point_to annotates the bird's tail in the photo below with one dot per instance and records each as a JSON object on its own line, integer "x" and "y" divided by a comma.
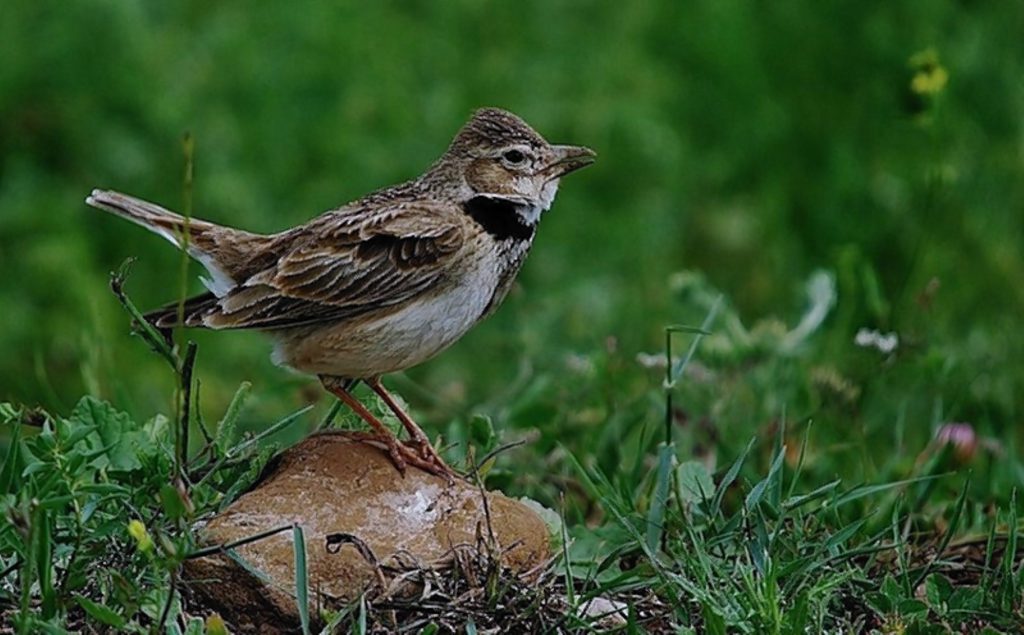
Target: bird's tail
{"x": 157, "y": 219}
{"x": 191, "y": 311}
{"x": 225, "y": 252}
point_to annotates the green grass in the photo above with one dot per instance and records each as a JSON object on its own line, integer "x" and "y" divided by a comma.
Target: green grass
{"x": 790, "y": 165}
{"x": 99, "y": 510}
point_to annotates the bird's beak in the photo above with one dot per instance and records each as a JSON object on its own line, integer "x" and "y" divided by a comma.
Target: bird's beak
{"x": 569, "y": 159}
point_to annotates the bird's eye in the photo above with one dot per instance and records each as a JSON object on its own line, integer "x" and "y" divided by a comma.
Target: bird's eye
{"x": 514, "y": 156}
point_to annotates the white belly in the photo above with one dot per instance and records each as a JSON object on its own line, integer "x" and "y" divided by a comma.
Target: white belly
{"x": 393, "y": 341}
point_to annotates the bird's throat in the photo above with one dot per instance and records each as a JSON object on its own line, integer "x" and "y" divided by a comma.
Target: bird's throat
{"x": 500, "y": 217}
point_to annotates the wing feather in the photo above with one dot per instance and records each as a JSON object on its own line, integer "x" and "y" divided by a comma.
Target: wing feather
{"x": 342, "y": 265}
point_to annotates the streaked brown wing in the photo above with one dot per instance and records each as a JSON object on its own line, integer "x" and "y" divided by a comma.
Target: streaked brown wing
{"x": 342, "y": 265}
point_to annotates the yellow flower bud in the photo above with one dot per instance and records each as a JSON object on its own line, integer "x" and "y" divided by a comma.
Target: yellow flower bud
{"x": 930, "y": 81}
{"x": 215, "y": 625}
{"x": 138, "y": 531}
{"x": 930, "y": 76}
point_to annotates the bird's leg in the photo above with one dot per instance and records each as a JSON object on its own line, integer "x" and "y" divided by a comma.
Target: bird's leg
{"x": 417, "y": 438}
{"x": 339, "y": 388}
{"x": 401, "y": 455}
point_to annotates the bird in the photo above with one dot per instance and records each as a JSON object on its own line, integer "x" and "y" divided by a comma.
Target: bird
{"x": 383, "y": 283}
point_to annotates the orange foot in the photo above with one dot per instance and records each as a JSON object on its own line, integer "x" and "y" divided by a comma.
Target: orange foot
{"x": 404, "y": 454}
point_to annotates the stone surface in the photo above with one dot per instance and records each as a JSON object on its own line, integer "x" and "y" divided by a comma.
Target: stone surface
{"x": 332, "y": 484}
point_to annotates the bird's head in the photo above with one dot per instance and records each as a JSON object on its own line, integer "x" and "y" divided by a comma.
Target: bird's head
{"x": 497, "y": 154}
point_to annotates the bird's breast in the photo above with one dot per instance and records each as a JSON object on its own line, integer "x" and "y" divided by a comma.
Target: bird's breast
{"x": 396, "y": 338}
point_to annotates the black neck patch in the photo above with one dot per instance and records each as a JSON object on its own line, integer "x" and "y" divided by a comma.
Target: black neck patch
{"x": 498, "y": 217}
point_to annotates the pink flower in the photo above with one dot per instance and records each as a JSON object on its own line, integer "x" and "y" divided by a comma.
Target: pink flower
{"x": 962, "y": 437}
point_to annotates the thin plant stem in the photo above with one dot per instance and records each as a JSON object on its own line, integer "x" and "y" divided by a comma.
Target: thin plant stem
{"x": 188, "y": 363}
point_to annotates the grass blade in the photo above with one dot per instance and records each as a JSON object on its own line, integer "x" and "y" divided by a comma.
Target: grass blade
{"x": 800, "y": 500}
{"x": 656, "y": 515}
{"x": 222, "y": 437}
{"x": 1010, "y": 551}
{"x": 277, "y": 427}
{"x": 42, "y": 529}
{"x": 11, "y": 466}
{"x": 730, "y": 476}
{"x": 954, "y": 523}
{"x": 99, "y": 612}
{"x": 332, "y": 414}
{"x": 301, "y": 577}
{"x": 677, "y": 369}
{"x": 361, "y": 624}
{"x": 570, "y": 585}
{"x": 754, "y": 497}
{"x": 863, "y": 491}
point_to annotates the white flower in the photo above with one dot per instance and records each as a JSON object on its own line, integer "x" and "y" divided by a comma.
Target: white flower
{"x": 884, "y": 342}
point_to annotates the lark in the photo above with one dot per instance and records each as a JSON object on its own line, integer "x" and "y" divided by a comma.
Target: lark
{"x": 383, "y": 283}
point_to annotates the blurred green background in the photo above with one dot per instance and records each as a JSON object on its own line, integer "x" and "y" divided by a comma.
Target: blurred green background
{"x": 752, "y": 142}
